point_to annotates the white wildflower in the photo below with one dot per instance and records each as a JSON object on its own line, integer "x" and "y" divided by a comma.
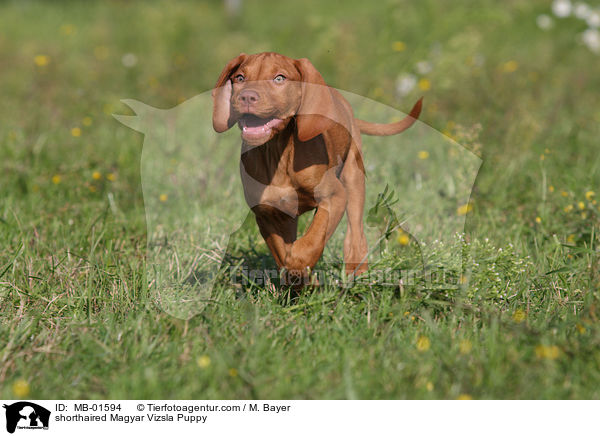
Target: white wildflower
{"x": 423, "y": 67}
{"x": 591, "y": 38}
{"x": 593, "y": 19}
{"x": 544, "y": 21}
{"x": 562, "y": 8}
{"x": 581, "y": 10}
{"x": 129, "y": 60}
{"x": 405, "y": 84}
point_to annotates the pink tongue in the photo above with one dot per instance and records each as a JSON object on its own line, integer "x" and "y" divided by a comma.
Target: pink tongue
{"x": 260, "y": 130}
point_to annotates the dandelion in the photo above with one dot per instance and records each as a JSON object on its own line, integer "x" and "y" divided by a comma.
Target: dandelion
{"x": 571, "y": 239}
{"x": 544, "y": 21}
{"x": 564, "y": 193}
{"x": 163, "y": 197}
{"x": 464, "y": 397}
{"x": 233, "y": 372}
{"x": 424, "y": 84}
{"x": 76, "y": 132}
{"x": 464, "y": 209}
{"x": 423, "y": 343}
{"x": 510, "y": 66}
{"x": 550, "y": 188}
{"x": 129, "y": 60}
{"x": 550, "y": 352}
{"x": 403, "y": 238}
{"x": 561, "y": 8}
{"x": 429, "y": 386}
{"x": 203, "y": 361}
{"x": 405, "y": 84}
{"x": 581, "y": 205}
{"x": 56, "y": 179}
{"x": 568, "y": 208}
{"x": 519, "y": 316}
{"x": 21, "y": 388}
{"x": 538, "y": 220}
{"x": 96, "y": 175}
{"x": 111, "y": 177}
{"x": 589, "y": 195}
{"x": 465, "y": 346}
{"x": 87, "y": 121}
{"x": 423, "y": 155}
{"x": 41, "y": 60}
{"x": 399, "y": 46}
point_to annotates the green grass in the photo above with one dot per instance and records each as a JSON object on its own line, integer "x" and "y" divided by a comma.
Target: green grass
{"x": 78, "y": 319}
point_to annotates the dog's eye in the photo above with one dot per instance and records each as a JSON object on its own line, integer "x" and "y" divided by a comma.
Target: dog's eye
{"x": 279, "y": 78}
{"x": 239, "y": 78}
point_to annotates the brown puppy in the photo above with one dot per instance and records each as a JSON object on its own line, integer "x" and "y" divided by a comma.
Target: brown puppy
{"x": 301, "y": 150}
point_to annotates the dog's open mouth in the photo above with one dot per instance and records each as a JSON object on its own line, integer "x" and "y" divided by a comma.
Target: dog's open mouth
{"x": 255, "y": 129}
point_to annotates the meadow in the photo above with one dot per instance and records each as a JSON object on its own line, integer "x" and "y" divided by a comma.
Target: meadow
{"x": 514, "y": 83}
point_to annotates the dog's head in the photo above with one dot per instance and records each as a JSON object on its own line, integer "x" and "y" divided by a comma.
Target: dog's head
{"x": 262, "y": 93}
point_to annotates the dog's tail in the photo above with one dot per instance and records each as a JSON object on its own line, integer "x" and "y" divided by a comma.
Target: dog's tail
{"x": 394, "y": 128}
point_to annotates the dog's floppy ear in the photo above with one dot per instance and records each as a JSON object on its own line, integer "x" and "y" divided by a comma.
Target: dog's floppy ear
{"x": 222, "y": 95}
{"x": 317, "y": 112}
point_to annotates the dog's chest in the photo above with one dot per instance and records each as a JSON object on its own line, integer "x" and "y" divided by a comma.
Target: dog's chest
{"x": 283, "y": 191}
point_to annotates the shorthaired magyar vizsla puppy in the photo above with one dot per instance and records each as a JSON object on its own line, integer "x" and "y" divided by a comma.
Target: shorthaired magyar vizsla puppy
{"x": 301, "y": 150}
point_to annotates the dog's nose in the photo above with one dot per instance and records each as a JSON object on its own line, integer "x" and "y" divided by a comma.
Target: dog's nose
{"x": 248, "y": 97}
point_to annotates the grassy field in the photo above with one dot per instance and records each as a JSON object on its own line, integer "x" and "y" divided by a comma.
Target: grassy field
{"x": 78, "y": 318}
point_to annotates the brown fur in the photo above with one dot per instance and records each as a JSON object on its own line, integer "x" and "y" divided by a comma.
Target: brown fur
{"x": 311, "y": 159}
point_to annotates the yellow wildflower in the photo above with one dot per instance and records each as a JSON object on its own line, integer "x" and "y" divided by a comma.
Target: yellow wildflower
{"x": 581, "y": 205}
{"x": 564, "y": 193}
{"x": 424, "y": 84}
{"x": 465, "y": 346}
{"x": 423, "y": 154}
{"x": 96, "y": 175}
{"x": 87, "y": 121}
{"x": 464, "y": 209}
{"x": 551, "y": 188}
{"x": 233, "y": 372}
{"x": 538, "y": 220}
{"x": 203, "y": 361}
{"x": 399, "y": 46}
{"x": 41, "y": 60}
{"x": 550, "y": 352}
{"x": 568, "y": 208}
{"x": 403, "y": 238}
{"x": 519, "y": 316}
{"x": 464, "y": 397}
{"x": 163, "y": 197}
{"x": 510, "y": 66}
{"x": 429, "y": 386}
{"x": 56, "y": 179}
{"x": 589, "y": 195}
{"x": 571, "y": 239}
{"x": 76, "y": 132}
{"x": 21, "y": 388}
{"x": 423, "y": 343}
{"x": 111, "y": 177}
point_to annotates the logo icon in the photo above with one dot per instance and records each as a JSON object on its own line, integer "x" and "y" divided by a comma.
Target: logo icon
{"x": 26, "y": 415}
